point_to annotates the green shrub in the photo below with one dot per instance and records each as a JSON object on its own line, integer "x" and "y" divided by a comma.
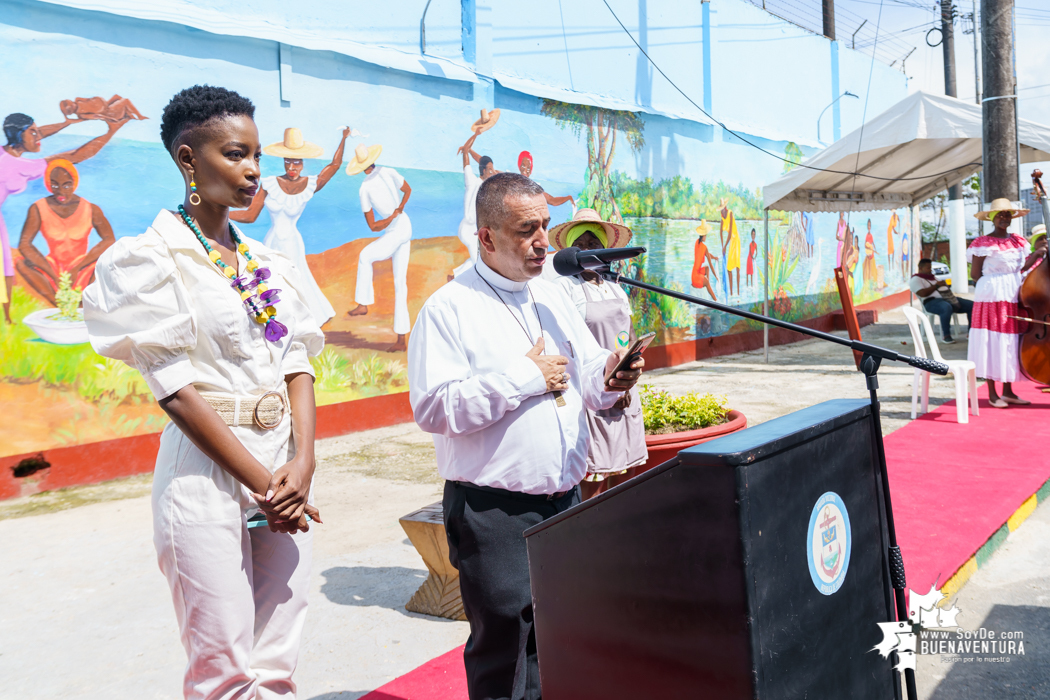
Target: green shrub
{"x": 665, "y": 413}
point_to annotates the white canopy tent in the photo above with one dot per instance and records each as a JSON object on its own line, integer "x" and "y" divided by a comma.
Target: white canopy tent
{"x": 920, "y": 146}
{"x": 915, "y": 149}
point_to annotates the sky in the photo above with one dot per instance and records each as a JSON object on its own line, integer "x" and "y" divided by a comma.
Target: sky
{"x": 904, "y": 25}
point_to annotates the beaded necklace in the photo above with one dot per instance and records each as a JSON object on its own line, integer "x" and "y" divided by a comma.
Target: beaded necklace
{"x": 258, "y": 299}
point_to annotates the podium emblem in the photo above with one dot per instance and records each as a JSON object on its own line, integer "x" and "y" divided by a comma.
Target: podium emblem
{"x": 829, "y": 543}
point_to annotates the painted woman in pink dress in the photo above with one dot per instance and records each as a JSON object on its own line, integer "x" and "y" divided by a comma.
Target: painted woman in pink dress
{"x": 24, "y": 136}
{"x": 997, "y": 263}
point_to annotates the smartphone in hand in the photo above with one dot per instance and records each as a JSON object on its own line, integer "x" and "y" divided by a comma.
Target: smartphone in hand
{"x": 633, "y": 353}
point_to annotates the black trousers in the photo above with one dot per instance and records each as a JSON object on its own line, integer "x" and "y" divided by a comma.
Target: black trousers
{"x": 486, "y": 544}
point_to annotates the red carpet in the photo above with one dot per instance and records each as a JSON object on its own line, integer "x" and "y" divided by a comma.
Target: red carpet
{"x": 442, "y": 678}
{"x": 953, "y": 486}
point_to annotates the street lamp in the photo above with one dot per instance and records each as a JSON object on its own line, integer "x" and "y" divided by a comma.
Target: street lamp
{"x": 845, "y": 94}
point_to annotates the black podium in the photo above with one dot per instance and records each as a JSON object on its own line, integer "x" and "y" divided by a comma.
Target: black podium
{"x": 752, "y": 566}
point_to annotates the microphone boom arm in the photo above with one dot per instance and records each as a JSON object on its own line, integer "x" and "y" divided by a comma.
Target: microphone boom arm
{"x": 882, "y": 353}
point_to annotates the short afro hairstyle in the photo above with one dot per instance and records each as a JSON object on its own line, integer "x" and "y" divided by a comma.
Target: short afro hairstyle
{"x": 196, "y": 106}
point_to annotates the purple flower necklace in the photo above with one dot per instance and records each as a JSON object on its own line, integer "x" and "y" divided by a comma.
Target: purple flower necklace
{"x": 258, "y": 299}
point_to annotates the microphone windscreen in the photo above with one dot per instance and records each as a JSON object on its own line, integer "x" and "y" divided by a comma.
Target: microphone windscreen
{"x": 565, "y": 262}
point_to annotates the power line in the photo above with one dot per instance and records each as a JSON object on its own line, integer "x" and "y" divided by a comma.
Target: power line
{"x": 854, "y": 173}
{"x": 864, "y": 115}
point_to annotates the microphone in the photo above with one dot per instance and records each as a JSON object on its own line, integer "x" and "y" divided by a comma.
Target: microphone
{"x": 573, "y": 261}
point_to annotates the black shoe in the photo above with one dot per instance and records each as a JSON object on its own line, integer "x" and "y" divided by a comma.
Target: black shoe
{"x": 949, "y": 340}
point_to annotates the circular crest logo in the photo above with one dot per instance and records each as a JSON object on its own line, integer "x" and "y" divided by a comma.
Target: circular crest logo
{"x": 623, "y": 338}
{"x": 829, "y": 543}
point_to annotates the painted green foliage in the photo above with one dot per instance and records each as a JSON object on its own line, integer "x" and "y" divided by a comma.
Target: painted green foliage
{"x": 600, "y": 127}
{"x": 793, "y": 156}
{"x": 679, "y": 198}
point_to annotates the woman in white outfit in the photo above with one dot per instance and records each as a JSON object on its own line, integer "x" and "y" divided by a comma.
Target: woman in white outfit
{"x": 997, "y": 263}
{"x": 285, "y": 198}
{"x": 468, "y": 225}
{"x": 217, "y": 327}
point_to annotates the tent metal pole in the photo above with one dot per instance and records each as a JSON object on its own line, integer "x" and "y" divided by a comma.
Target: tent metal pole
{"x": 765, "y": 285}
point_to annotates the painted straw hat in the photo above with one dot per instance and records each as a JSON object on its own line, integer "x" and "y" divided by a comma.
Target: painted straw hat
{"x": 363, "y": 157}
{"x": 487, "y": 121}
{"x": 563, "y": 235}
{"x": 1037, "y": 230}
{"x": 293, "y": 146}
{"x": 998, "y": 205}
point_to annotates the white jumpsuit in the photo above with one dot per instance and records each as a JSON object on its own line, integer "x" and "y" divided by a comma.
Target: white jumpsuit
{"x": 162, "y": 307}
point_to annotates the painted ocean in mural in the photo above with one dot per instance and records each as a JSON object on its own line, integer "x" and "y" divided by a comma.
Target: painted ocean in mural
{"x": 703, "y": 236}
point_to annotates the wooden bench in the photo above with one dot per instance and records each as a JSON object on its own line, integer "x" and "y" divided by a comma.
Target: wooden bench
{"x": 439, "y": 594}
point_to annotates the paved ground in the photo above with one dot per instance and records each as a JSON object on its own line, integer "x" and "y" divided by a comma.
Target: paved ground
{"x": 1009, "y": 594}
{"x": 87, "y": 614}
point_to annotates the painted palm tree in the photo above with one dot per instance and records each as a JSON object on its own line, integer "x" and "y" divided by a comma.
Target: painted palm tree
{"x": 601, "y": 127}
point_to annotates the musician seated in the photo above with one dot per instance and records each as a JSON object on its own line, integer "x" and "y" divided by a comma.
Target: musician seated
{"x": 937, "y": 298}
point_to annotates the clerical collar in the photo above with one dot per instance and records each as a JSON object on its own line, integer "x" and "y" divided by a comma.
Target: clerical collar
{"x": 496, "y": 279}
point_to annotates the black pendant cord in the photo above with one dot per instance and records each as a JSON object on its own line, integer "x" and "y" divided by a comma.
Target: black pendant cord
{"x": 559, "y": 400}
{"x": 535, "y": 309}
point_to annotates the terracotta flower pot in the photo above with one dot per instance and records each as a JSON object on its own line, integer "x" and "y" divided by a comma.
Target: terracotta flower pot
{"x": 664, "y": 447}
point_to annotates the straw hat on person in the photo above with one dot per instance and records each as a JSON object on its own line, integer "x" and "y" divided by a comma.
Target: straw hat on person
{"x": 363, "y": 157}
{"x": 1038, "y": 230}
{"x": 487, "y": 121}
{"x": 611, "y": 235}
{"x": 293, "y": 146}
{"x": 998, "y": 205}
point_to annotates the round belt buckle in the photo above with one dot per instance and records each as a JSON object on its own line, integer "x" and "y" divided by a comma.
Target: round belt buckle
{"x": 280, "y": 416}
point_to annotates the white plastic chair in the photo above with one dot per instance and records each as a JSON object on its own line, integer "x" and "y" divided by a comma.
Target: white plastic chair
{"x": 935, "y": 319}
{"x": 964, "y": 371}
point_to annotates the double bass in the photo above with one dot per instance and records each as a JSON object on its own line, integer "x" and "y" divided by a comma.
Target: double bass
{"x": 1034, "y": 298}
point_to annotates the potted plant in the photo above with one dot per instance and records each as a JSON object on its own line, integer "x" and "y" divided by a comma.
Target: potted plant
{"x": 673, "y": 423}
{"x": 64, "y": 325}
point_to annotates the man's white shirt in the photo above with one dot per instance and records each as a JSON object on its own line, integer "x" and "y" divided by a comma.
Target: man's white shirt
{"x": 917, "y": 283}
{"x": 471, "y": 385}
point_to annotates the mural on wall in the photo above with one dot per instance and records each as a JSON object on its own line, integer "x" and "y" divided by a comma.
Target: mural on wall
{"x": 374, "y": 238}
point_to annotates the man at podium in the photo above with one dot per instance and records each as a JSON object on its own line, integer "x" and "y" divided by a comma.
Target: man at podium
{"x": 500, "y": 367}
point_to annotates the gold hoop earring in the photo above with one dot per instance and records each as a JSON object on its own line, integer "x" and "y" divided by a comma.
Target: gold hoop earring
{"x": 195, "y": 198}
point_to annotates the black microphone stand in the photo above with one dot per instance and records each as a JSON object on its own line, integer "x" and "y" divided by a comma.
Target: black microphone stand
{"x": 873, "y": 355}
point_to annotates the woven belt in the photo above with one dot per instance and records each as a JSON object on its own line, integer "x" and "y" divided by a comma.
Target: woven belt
{"x": 265, "y": 411}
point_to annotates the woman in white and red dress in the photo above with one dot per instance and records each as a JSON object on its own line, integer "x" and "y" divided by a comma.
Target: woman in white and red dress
{"x": 997, "y": 262}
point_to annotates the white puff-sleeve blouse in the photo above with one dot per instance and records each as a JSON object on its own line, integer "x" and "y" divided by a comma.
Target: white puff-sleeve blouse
{"x": 160, "y": 305}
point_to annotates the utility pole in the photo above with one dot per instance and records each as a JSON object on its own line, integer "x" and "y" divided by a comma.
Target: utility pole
{"x": 999, "y": 103}
{"x": 829, "y": 19}
{"x": 977, "y": 97}
{"x": 956, "y": 209}
{"x": 976, "y": 56}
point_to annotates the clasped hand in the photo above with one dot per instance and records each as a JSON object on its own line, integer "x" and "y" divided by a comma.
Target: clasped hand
{"x": 284, "y": 503}
{"x": 553, "y": 368}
